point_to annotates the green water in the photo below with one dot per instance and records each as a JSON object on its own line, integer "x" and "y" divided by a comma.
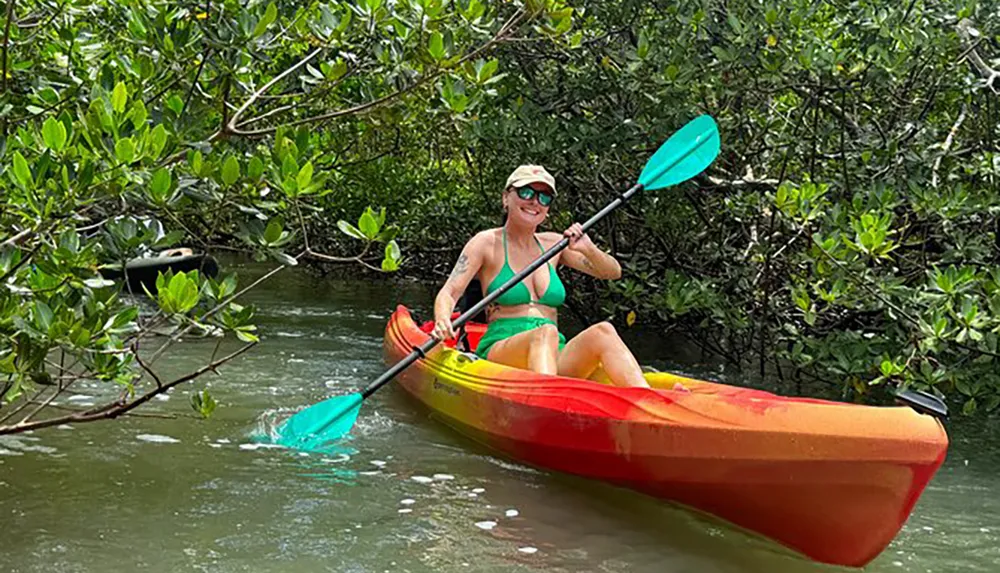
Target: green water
{"x": 152, "y": 494}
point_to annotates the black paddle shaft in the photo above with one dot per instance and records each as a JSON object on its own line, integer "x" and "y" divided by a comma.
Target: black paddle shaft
{"x": 423, "y": 349}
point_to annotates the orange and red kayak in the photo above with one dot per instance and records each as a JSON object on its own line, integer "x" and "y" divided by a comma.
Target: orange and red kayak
{"x": 833, "y": 481}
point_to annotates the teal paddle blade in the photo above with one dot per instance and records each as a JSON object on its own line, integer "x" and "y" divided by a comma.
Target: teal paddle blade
{"x": 315, "y": 427}
{"x": 687, "y": 153}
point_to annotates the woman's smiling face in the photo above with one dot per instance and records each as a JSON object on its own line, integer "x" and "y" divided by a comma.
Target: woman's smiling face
{"x": 528, "y": 211}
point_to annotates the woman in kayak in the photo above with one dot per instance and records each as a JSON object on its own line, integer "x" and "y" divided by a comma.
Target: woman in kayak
{"x": 522, "y": 328}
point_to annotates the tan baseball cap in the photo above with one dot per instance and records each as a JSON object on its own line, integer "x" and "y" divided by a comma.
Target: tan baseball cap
{"x": 531, "y": 174}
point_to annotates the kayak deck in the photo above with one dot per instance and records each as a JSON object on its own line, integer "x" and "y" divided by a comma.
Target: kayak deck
{"x": 833, "y": 481}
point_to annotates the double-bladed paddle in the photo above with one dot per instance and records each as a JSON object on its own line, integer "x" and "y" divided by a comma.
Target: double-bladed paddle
{"x": 687, "y": 153}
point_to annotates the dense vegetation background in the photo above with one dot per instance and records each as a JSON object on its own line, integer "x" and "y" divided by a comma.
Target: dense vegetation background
{"x": 847, "y": 234}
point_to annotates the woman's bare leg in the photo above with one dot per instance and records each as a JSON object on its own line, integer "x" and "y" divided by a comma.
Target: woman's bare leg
{"x": 534, "y": 350}
{"x": 601, "y": 346}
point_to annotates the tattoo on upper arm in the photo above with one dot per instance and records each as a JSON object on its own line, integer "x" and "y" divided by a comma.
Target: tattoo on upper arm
{"x": 460, "y": 267}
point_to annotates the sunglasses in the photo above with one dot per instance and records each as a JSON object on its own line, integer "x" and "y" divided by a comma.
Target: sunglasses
{"x": 528, "y": 193}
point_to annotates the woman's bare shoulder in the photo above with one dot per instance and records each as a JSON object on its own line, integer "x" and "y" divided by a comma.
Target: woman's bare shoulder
{"x": 484, "y": 242}
{"x": 485, "y": 238}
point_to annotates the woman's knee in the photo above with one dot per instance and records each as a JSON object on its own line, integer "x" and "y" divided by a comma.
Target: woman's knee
{"x": 546, "y": 334}
{"x": 604, "y": 330}
{"x": 604, "y": 334}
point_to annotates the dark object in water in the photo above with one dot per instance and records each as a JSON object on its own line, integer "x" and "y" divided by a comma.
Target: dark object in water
{"x": 143, "y": 271}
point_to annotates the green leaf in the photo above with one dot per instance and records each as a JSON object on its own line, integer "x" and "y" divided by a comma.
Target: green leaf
{"x": 273, "y": 231}
{"x": 350, "y": 230}
{"x": 125, "y": 150}
{"x": 487, "y": 70}
{"x": 119, "y": 97}
{"x": 304, "y": 178}
{"x": 435, "y": 46}
{"x": 393, "y": 256}
{"x": 195, "y": 161}
{"x": 156, "y": 142}
{"x": 22, "y": 173}
{"x": 643, "y": 47}
{"x": 43, "y": 316}
{"x": 125, "y": 317}
{"x": 230, "y": 170}
{"x": 970, "y": 407}
{"x": 270, "y": 14}
{"x": 246, "y": 336}
{"x": 139, "y": 114}
{"x": 159, "y": 186}
{"x": 285, "y": 258}
{"x": 175, "y": 103}
{"x": 368, "y": 225}
{"x": 255, "y": 169}
{"x": 392, "y": 251}
{"x": 289, "y": 168}
{"x": 203, "y": 403}
{"x": 54, "y": 134}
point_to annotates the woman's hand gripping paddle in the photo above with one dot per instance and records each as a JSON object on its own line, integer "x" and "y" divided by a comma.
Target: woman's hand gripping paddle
{"x": 687, "y": 153}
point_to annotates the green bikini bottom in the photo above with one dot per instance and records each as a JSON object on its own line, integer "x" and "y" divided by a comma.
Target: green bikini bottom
{"x": 503, "y": 328}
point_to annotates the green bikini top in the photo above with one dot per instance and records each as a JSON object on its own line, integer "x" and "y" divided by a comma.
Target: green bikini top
{"x": 554, "y": 295}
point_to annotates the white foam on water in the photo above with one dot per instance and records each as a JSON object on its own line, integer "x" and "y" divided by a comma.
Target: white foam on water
{"x": 443, "y": 477}
{"x": 6, "y": 452}
{"x": 473, "y": 495}
{"x": 79, "y": 397}
{"x": 486, "y": 525}
{"x": 215, "y": 445}
{"x": 16, "y": 445}
{"x": 284, "y": 334}
{"x": 406, "y": 510}
{"x": 251, "y": 447}
{"x": 407, "y": 501}
{"x": 370, "y": 473}
{"x": 378, "y": 463}
{"x": 222, "y": 441}
{"x": 511, "y": 513}
{"x": 157, "y": 439}
{"x": 64, "y": 427}
{"x": 163, "y": 397}
{"x": 478, "y": 490}
{"x": 421, "y": 479}
{"x": 528, "y": 550}
{"x": 373, "y": 424}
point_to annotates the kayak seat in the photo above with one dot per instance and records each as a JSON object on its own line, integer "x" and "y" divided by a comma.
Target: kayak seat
{"x": 472, "y": 295}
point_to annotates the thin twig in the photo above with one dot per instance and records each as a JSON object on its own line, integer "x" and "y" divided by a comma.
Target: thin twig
{"x": 115, "y": 409}
{"x": 231, "y": 125}
{"x": 135, "y": 352}
{"x": 129, "y": 414}
{"x": 17, "y": 238}
{"x": 946, "y": 146}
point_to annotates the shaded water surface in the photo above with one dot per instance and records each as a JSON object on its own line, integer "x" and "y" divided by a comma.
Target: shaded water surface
{"x": 153, "y": 494}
